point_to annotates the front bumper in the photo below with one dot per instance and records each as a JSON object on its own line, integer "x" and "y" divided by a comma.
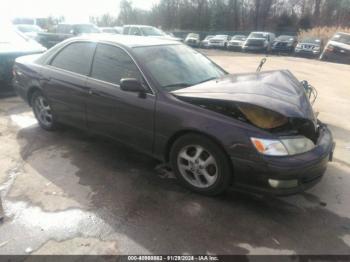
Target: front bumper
{"x": 336, "y": 57}
{"x": 217, "y": 44}
{"x": 282, "y": 49}
{"x": 304, "y": 170}
{"x": 234, "y": 46}
{"x": 192, "y": 43}
{"x": 254, "y": 48}
{"x": 307, "y": 53}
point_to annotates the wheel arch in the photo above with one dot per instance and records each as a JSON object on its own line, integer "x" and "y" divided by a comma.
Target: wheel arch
{"x": 31, "y": 91}
{"x": 181, "y": 133}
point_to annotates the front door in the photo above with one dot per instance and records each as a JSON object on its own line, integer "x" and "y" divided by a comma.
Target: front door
{"x": 125, "y": 116}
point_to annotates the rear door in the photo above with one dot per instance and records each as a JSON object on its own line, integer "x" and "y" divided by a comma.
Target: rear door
{"x": 125, "y": 116}
{"x": 65, "y": 82}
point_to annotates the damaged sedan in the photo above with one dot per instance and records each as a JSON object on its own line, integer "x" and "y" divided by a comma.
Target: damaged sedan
{"x": 255, "y": 132}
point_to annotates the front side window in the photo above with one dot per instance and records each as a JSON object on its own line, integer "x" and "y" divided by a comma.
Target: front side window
{"x": 177, "y": 66}
{"x": 112, "y": 64}
{"x": 75, "y": 58}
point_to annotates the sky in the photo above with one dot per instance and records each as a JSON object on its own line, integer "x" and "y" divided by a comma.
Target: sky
{"x": 72, "y": 10}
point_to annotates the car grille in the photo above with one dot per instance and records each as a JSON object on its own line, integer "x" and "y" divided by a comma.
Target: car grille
{"x": 215, "y": 41}
{"x": 308, "y": 47}
{"x": 281, "y": 44}
{"x": 253, "y": 42}
{"x": 234, "y": 43}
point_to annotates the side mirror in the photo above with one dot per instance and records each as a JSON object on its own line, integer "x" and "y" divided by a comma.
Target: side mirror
{"x": 131, "y": 85}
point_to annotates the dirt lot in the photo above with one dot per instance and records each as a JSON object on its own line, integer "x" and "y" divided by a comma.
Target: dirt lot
{"x": 68, "y": 192}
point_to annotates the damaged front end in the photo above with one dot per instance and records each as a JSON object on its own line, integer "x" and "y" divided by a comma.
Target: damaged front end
{"x": 272, "y": 101}
{"x": 259, "y": 117}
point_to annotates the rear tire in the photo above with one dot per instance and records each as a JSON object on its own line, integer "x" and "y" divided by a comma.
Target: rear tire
{"x": 43, "y": 111}
{"x": 201, "y": 165}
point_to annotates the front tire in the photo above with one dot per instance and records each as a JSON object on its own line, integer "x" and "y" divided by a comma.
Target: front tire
{"x": 201, "y": 165}
{"x": 43, "y": 112}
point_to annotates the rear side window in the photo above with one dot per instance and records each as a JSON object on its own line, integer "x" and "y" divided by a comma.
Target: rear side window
{"x": 112, "y": 64}
{"x": 75, "y": 58}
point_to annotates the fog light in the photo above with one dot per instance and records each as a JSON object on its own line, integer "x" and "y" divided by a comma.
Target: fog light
{"x": 283, "y": 183}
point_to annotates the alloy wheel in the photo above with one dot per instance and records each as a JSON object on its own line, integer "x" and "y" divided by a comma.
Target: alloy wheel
{"x": 197, "y": 166}
{"x": 43, "y": 111}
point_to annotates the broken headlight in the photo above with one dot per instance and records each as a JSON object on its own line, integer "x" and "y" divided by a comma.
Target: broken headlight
{"x": 283, "y": 146}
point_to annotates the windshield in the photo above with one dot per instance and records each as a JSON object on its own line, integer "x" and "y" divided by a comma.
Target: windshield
{"x": 29, "y": 28}
{"x": 342, "y": 38}
{"x": 239, "y": 37}
{"x": 152, "y": 31}
{"x": 209, "y": 37}
{"x": 86, "y": 29}
{"x": 258, "y": 35}
{"x": 193, "y": 35}
{"x": 311, "y": 41}
{"x": 177, "y": 66}
{"x": 285, "y": 38}
{"x": 221, "y": 36}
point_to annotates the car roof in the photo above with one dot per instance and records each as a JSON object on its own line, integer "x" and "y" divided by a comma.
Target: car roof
{"x": 75, "y": 24}
{"x": 260, "y": 32}
{"x": 127, "y": 40}
{"x": 138, "y": 25}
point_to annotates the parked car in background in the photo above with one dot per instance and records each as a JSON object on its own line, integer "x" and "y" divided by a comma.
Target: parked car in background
{"x": 252, "y": 131}
{"x": 64, "y": 31}
{"x": 259, "y": 42}
{"x": 284, "y": 44}
{"x": 219, "y": 41}
{"x": 12, "y": 45}
{"x": 236, "y": 42}
{"x": 109, "y": 30}
{"x": 193, "y": 40}
{"x": 205, "y": 42}
{"x": 30, "y": 31}
{"x": 309, "y": 47}
{"x": 119, "y": 29}
{"x": 146, "y": 30}
{"x": 337, "y": 49}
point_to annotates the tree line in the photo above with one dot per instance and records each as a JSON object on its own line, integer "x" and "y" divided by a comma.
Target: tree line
{"x": 233, "y": 15}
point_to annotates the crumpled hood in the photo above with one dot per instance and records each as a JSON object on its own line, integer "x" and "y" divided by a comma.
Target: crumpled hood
{"x": 279, "y": 91}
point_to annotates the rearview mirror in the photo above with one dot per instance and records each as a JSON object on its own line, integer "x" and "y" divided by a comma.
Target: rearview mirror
{"x": 131, "y": 85}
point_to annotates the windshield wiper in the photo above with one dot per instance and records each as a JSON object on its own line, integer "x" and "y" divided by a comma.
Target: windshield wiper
{"x": 177, "y": 85}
